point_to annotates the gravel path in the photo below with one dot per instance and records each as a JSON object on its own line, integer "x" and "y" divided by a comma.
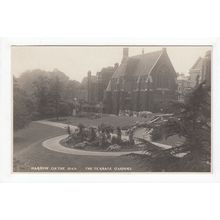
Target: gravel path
{"x": 54, "y": 145}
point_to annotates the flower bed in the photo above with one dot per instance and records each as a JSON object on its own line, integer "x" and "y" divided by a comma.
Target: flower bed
{"x": 88, "y": 146}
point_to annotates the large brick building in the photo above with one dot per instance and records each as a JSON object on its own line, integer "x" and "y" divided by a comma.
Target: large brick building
{"x": 93, "y": 86}
{"x": 103, "y": 78}
{"x": 145, "y": 82}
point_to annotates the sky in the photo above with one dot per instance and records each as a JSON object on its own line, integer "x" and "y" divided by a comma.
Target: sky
{"x": 76, "y": 61}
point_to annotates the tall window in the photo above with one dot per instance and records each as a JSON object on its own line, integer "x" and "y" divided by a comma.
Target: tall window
{"x": 163, "y": 78}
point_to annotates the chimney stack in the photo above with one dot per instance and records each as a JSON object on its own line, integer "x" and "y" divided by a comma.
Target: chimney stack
{"x": 125, "y": 53}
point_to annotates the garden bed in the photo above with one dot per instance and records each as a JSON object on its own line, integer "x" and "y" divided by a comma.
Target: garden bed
{"x": 95, "y": 147}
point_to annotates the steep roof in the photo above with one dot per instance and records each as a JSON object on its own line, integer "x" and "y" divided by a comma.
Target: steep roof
{"x": 197, "y": 64}
{"x": 138, "y": 65}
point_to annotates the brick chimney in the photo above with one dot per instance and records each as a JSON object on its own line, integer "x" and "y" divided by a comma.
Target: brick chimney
{"x": 164, "y": 49}
{"x": 125, "y": 53}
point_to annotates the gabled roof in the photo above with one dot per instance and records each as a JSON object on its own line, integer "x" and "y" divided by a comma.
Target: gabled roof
{"x": 108, "y": 89}
{"x": 198, "y": 64}
{"x": 138, "y": 65}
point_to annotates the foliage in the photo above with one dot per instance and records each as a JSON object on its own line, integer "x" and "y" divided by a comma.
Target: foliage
{"x": 40, "y": 93}
{"x": 106, "y": 127}
{"x": 55, "y": 95}
{"x": 156, "y": 134}
{"x": 51, "y": 92}
{"x": 22, "y": 107}
{"x": 191, "y": 120}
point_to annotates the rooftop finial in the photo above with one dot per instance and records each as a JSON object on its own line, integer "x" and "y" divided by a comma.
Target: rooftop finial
{"x": 125, "y": 55}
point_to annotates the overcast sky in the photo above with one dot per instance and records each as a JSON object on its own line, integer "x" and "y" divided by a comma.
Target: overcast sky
{"x": 75, "y": 61}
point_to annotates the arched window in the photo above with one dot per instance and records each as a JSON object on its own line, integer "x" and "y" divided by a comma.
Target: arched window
{"x": 163, "y": 77}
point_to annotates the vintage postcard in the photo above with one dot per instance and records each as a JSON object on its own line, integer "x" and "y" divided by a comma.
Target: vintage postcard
{"x": 111, "y": 108}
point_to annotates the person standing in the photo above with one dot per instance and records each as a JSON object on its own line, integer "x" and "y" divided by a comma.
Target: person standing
{"x": 118, "y": 135}
{"x": 131, "y": 136}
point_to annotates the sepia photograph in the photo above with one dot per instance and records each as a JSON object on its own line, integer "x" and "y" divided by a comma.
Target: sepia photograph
{"x": 111, "y": 108}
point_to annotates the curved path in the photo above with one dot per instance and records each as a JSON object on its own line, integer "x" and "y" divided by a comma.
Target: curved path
{"x": 54, "y": 144}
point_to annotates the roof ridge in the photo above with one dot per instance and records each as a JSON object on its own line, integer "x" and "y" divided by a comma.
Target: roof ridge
{"x": 149, "y": 53}
{"x": 146, "y": 63}
{"x": 155, "y": 62}
{"x": 196, "y": 63}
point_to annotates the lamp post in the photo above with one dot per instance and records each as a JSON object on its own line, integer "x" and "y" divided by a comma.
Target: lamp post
{"x": 138, "y": 92}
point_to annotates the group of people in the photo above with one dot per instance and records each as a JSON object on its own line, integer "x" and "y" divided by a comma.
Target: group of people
{"x": 106, "y": 136}
{"x": 102, "y": 136}
{"x": 130, "y": 113}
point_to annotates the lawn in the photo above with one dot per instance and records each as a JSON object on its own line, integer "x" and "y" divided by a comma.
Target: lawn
{"x": 34, "y": 132}
{"x": 113, "y": 120}
{"x": 29, "y": 154}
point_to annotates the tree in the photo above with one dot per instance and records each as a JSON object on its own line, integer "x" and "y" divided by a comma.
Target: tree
{"x": 71, "y": 90}
{"x": 22, "y": 107}
{"x": 55, "y": 95}
{"x": 40, "y": 95}
{"x": 51, "y": 91}
{"x": 192, "y": 120}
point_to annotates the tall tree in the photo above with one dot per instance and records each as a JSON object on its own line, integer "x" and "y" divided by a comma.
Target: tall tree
{"x": 192, "y": 120}
{"x": 22, "y": 107}
{"x": 41, "y": 92}
{"x": 55, "y": 95}
{"x": 52, "y": 92}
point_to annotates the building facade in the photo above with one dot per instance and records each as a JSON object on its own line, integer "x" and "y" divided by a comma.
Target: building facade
{"x": 93, "y": 86}
{"x": 103, "y": 78}
{"x": 184, "y": 86}
{"x": 201, "y": 71}
{"x": 145, "y": 82}
{"x": 88, "y": 90}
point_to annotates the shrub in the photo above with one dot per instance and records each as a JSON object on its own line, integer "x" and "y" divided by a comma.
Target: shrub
{"x": 157, "y": 134}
